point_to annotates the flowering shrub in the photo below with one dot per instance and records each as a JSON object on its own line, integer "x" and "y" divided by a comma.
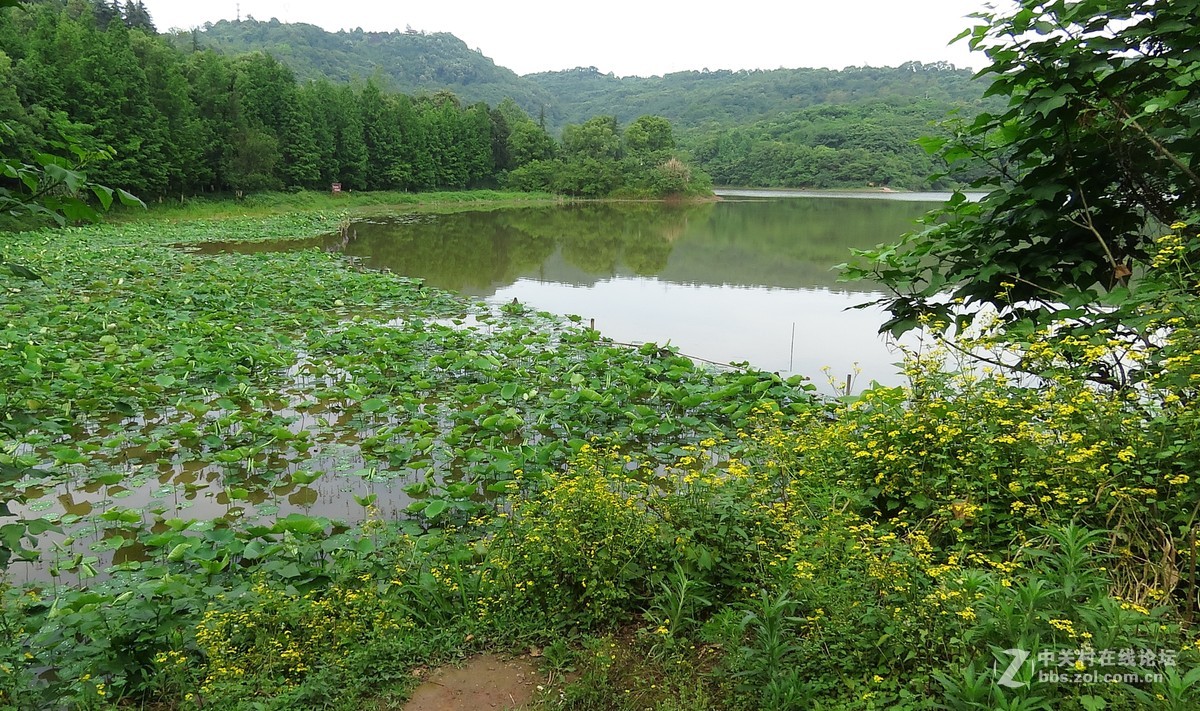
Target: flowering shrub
{"x": 277, "y": 636}
{"x": 584, "y": 548}
{"x": 979, "y": 460}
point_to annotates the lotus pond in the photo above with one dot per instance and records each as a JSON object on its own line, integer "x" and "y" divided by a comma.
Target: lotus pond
{"x": 157, "y": 393}
{"x": 280, "y": 479}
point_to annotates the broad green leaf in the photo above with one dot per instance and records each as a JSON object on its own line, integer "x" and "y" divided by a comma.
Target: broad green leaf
{"x": 60, "y": 175}
{"x": 435, "y": 508}
{"x": 104, "y": 195}
{"x": 129, "y": 199}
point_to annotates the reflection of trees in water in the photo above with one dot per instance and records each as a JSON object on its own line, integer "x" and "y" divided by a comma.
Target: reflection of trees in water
{"x": 473, "y": 251}
{"x": 812, "y": 229}
{"x": 593, "y": 252}
{"x": 600, "y": 238}
{"x": 790, "y": 243}
{"x": 787, "y": 243}
{"x": 648, "y": 257}
{"x": 464, "y": 251}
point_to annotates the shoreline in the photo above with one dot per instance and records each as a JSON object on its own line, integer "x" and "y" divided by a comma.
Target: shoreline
{"x": 362, "y": 203}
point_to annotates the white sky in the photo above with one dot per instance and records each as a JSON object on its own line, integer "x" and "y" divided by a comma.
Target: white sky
{"x": 637, "y": 37}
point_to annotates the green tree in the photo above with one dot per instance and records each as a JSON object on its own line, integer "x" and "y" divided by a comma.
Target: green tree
{"x": 211, "y": 91}
{"x": 101, "y": 79}
{"x": 597, "y": 138}
{"x": 591, "y": 153}
{"x": 384, "y": 140}
{"x": 106, "y": 12}
{"x": 250, "y": 160}
{"x": 20, "y": 135}
{"x": 270, "y": 104}
{"x": 317, "y": 105}
{"x": 137, "y": 17}
{"x": 534, "y": 176}
{"x": 649, "y": 138}
{"x": 500, "y": 132}
{"x": 1096, "y": 146}
{"x": 443, "y": 126}
{"x": 528, "y": 142}
{"x": 336, "y": 123}
{"x": 477, "y": 140}
{"x": 350, "y": 151}
{"x": 174, "y": 116}
{"x": 589, "y": 177}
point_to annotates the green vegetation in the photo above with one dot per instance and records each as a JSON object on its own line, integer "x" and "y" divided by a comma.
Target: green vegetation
{"x": 682, "y": 539}
{"x": 52, "y": 186}
{"x": 817, "y": 128}
{"x": 350, "y": 203}
{"x": 166, "y": 125}
{"x": 461, "y": 414}
{"x": 410, "y": 62}
{"x": 480, "y": 248}
{"x": 598, "y": 159}
{"x": 814, "y": 128}
{"x": 869, "y": 142}
{"x": 697, "y": 98}
{"x": 1080, "y": 203}
{"x": 1025, "y": 506}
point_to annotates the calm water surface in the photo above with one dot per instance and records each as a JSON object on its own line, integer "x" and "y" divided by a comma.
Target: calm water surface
{"x": 748, "y": 279}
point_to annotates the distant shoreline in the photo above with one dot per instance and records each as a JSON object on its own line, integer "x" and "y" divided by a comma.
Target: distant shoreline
{"x": 849, "y": 193}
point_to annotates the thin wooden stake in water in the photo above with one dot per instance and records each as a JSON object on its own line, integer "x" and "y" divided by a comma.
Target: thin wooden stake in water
{"x": 792, "y": 351}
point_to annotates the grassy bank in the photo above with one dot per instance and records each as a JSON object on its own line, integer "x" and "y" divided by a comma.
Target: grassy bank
{"x": 308, "y": 201}
{"x": 666, "y": 536}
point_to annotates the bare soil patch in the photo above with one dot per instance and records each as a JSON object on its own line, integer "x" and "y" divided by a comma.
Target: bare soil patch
{"x": 487, "y": 681}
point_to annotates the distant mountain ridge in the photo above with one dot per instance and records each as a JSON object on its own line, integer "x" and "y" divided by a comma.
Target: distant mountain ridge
{"x": 409, "y": 62}
{"x": 416, "y": 62}
{"x": 823, "y": 128}
{"x": 694, "y": 99}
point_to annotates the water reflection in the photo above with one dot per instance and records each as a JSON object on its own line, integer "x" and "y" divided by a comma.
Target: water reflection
{"x": 743, "y": 280}
{"x": 768, "y": 242}
{"x": 751, "y": 278}
{"x": 779, "y": 242}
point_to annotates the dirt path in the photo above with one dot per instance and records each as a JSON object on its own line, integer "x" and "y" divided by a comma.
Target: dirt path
{"x": 484, "y": 682}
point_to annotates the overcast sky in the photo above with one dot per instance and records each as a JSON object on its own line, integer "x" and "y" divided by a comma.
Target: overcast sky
{"x": 637, "y": 37}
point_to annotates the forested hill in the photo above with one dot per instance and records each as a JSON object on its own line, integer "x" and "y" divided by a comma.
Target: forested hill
{"x": 231, "y": 107}
{"x": 409, "y": 62}
{"x": 784, "y": 127}
{"x": 813, "y": 128}
{"x": 697, "y": 98}
{"x": 416, "y": 62}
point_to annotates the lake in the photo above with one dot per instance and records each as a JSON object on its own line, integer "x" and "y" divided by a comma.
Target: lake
{"x": 751, "y": 278}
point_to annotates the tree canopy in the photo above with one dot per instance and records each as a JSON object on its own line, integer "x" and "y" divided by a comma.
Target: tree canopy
{"x": 160, "y": 121}
{"x": 818, "y": 128}
{"x": 411, "y": 62}
{"x": 1094, "y": 154}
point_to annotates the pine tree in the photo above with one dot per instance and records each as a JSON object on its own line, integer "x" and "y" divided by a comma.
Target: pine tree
{"x": 137, "y": 17}
{"x": 105, "y": 13}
